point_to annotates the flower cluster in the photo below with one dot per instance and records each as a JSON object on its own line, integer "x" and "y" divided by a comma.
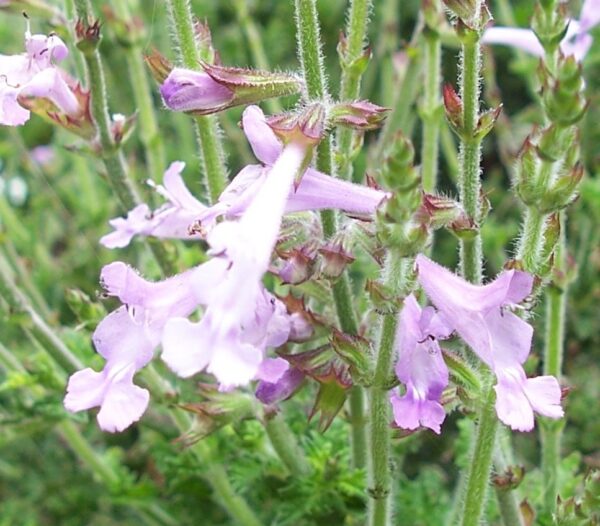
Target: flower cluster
{"x": 482, "y": 317}
{"x": 35, "y": 74}
{"x": 240, "y": 319}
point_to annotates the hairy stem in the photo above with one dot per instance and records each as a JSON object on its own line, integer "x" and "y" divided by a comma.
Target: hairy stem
{"x": 285, "y": 444}
{"x": 257, "y": 49}
{"x": 212, "y": 157}
{"x": 470, "y": 157}
{"x": 551, "y": 431}
{"x": 154, "y": 151}
{"x": 379, "y": 404}
{"x": 431, "y": 111}
{"x": 356, "y": 30}
{"x": 112, "y": 156}
{"x": 311, "y": 58}
{"x": 481, "y": 462}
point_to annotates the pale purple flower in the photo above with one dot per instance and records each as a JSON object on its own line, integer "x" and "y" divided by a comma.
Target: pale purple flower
{"x": 126, "y": 338}
{"x": 33, "y": 74}
{"x": 241, "y": 320}
{"x": 187, "y": 90}
{"x": 171, "y": 220}
{"x": 482, "y": 316}
{"x": 185, "y": 217}
{"x": 420, "y": 367}
{"x": 576, "y": 42}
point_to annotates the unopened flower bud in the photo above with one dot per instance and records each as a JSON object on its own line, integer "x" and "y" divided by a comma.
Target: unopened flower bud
{"x": 334, "y": 260}
{"x": 438, "y": 211}
{"x": 298, "y": 266}
{"x": 270, "y": 393}
{"x": 88, "y": 35}
{"x": 306, "y": 125}
{"x": 218, "y": 88}
{"x": 527, "y": 173}
{"x": 454, "y": 108}
{"x": 550, "y": 30}
{"x": 563, "y": 191}
{"x": 188, "y": 90}
{"x": 398, "y": 173}
{"x": 361, "y": 115}
{"x": 356, "y": 65}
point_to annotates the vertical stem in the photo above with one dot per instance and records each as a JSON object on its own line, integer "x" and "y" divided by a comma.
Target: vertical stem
{"x": 470, "y": 156}
{"x": 530, "y": 244}
{"x": 379, "y": 405}
{"x": 285, "y": 444}
{"x": 309, "y": 51}
{"x": 149, "y": 134}
{"x": 481, "y": 463}
{"x": 114, "y": 162}
{"x": 211, "y": 151}
{"x": 431, "y": 111}
{"x": 86, "y": 453}
{"x": 358, "y": 18}
{"x": 257, "y": 50}
{"x": 551, "y": 432}
{"x": 478, "y": 471}
{"x": 399, "y": 118}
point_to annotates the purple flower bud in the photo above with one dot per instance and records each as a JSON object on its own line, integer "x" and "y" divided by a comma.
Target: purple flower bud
{"x": 272, "y": 392}
{"x": 187, "y": 90}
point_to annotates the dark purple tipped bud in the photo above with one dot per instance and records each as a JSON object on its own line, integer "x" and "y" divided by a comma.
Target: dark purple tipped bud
{"x": 271, "y": 393}
{"x": 454, "y": 107}
{"x": 361, "y": 115}
{"x": 298, "y": 266}
{"x": 334, "y": 260}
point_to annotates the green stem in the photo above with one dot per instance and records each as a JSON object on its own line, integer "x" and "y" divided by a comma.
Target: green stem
{"x": 149, "y": 134}
{"x": 551, "y": 431}
{"x": 18, "y": 302}
{"x": 532, "y": 239}
{"x": 114, "y": 162}
{"x": 285, "y": 444}
{"x": 24, "y": 278}
{"x": 212, "y": 156}
{"x": 508, "y": 501}
{"x": 379, "y": 404}
{"x": 478, "y": 475}
{"x": 358, "y": 18}
{"x": 478, "y": 471}
{"x": 309, "y": 50}
{"x": 257, "y": 50}
{"x": 470, "y": 157}
{"x": 87, "y": 454}
{"x": 431, "y": 111}
{"x": 379, "y": 429}
{"x": 399, "y": 119}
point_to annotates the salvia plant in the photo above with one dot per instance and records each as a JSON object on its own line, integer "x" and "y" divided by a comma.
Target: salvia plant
{"x": 247, "y": 280}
